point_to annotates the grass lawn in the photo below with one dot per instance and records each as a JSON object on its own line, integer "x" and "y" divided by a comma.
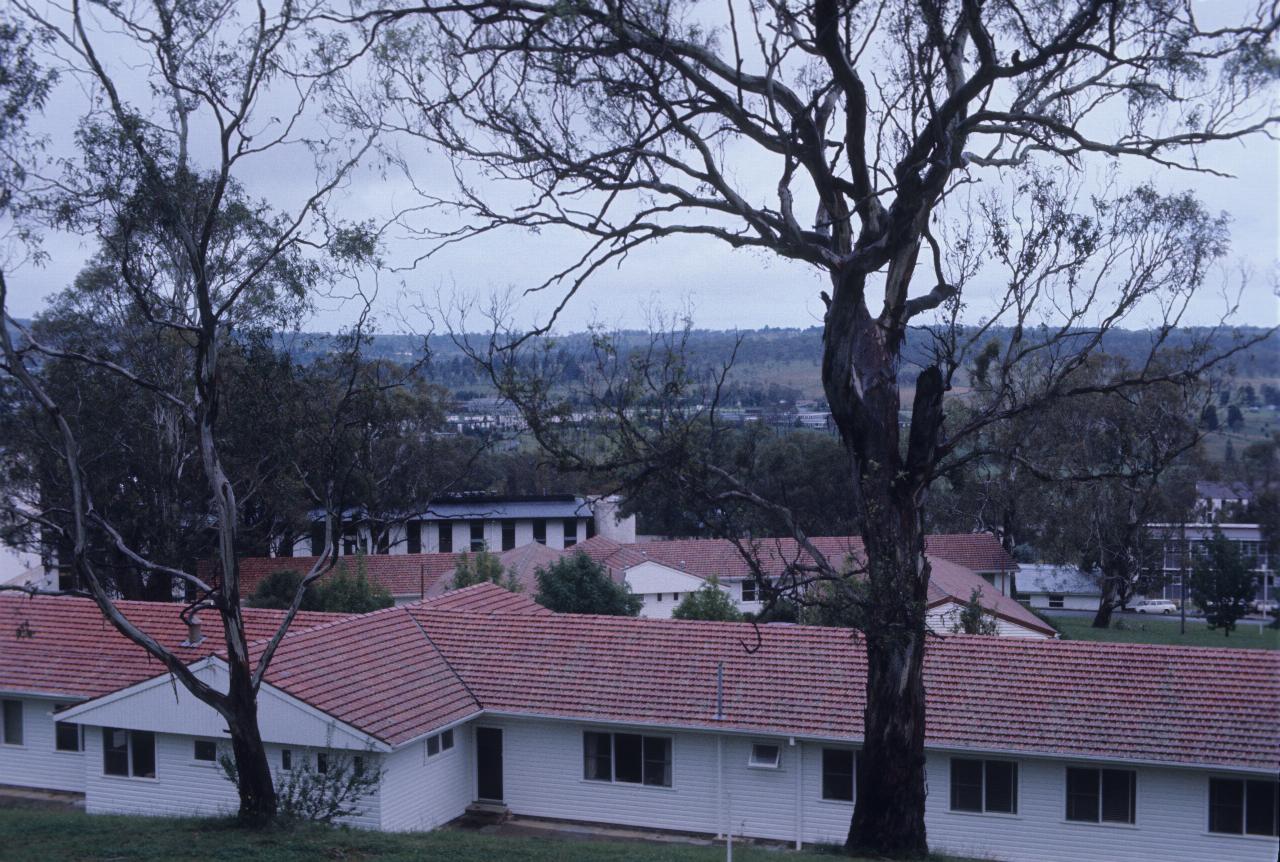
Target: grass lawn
{"x": 1137, "y": 629}
{"x": 44, "y": 836}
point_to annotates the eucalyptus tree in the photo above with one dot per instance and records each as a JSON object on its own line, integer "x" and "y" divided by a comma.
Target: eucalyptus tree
{"x": 924, "y": 157}
{"x": 160, "y": 178}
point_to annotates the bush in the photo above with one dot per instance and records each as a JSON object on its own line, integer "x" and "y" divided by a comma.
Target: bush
{"x": 337, "y": 592}
{"x": 974, "y": 619}
{"x": 276, "y": 591}
{"x": 708, "y": 602}
{"x": 305, "y": 792}
{"x": 577, "y": 584}
{"x": 483, "y": 568}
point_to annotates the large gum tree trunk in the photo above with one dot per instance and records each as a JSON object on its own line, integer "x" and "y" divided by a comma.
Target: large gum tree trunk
{"x": 861, "y": 358}
{"x": 888, "y": 819}
{"x": 253, "y": 772}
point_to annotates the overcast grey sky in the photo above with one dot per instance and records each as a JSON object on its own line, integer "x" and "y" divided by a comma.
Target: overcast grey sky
{"x": 723, "y": 288}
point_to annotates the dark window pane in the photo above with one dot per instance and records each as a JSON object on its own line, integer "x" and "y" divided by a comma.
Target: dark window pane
{"x": 596, "y": 759}
{"x": 591, "y": 528}
{"x": 66, "y": 736}
{"x": 1119, "y": 795}
{"x": 477, "y": 536}
{"x": 206, "y": 749}
{"x": 540, "y": 531}
{"x": 837, "y": 774}
{"x": 508, "y": 535}
{"x": 570, "y": 532}
{"x": 143, "y": 748}
{"x": 433, "y": 746}
{"x": 966, "y": 785}
{"x": 413, "y": 537}
{"x": 1002, "y": 787}
{"x": 1226, "y": 805}
{"x": 1082, "y": 794}
{"x": 445, "y": 529}
{"x": 1261, "y": 813}
{"x": 446, "y": 740}
{"x": 13, "y": 722}
{"x": 115, "y": 751}
{"x": 627, "y": 755}
{"x": 322, "y": 762}
{"x": 286, "y": 759}
{"x": 657, "y": 761}
{"x": 383, "y": 543}
{"x": 317, "y": 539}
{"x": 357, "y": 765}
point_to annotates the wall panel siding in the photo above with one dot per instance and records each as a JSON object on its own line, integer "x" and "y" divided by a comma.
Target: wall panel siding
{"x": 420, "y": 792}
{"x": 37, "y": 763}
{"x": 183, "y": 786}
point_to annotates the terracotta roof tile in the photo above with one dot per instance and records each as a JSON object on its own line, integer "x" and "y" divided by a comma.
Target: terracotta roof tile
{"x": 60, "y": 645}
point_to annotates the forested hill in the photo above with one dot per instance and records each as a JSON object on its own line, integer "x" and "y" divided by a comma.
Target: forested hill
{"x": 786, "y": 358}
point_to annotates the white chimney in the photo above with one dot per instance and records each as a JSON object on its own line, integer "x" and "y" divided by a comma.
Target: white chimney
{"x": 194, "y": 635}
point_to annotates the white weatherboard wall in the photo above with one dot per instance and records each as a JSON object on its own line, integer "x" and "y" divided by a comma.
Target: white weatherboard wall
{"x": 943, "y": 618}
{"x": 543, "y": 777}
{"x": 1071, "y": 603}
{"x": 651, "y": 580}
{"x": 421, "y": 792}
{"x": 183, "y": 785}
{"x": 37, "y": 763}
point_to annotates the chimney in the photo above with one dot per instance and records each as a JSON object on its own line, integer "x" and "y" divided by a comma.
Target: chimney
{"x": 194, "y": 635}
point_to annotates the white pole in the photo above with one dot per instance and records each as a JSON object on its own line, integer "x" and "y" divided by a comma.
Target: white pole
{"x": 728, "y": 843}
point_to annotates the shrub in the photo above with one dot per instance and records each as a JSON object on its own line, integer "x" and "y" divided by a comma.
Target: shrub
{"x": 577, "y": 584}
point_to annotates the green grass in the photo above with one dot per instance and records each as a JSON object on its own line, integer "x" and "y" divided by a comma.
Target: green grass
{"x": 44, "y": 836}
{"x": 1136, "y": 629}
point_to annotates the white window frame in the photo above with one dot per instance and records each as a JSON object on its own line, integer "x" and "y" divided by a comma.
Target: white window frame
{"x": 754, "y": 591}
{"x": 155, "y": 755}
{"x": 755, "y": 762}
{"x": 198, "y": 739}
{"x": 613, "y": 758}
{"x": 79, "y": 731}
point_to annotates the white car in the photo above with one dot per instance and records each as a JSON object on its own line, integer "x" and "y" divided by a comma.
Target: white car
{"x": 1155, "y": 606}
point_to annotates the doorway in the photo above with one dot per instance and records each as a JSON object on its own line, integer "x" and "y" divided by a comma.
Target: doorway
{"x": 489, "y": 763}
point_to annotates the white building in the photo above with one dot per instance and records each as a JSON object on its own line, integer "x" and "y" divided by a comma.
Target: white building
{"x": 664, "y": 572}
{"x": 1036, "y": 750}
{"x": 1185, "y": 543}
{"x": 1050, "y": 586}
{"x": 475, "y": 522}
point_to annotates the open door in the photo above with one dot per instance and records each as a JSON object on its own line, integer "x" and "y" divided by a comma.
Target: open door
{"x": 489, "y": 764}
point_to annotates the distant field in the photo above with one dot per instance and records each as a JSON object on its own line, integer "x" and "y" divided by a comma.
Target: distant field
{"x": 1146, "y": 630}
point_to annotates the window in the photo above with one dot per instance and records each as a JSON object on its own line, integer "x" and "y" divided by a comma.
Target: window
{"x": 446, "y": 740}
{"x": 477, "y": 536}
{"x": 445, "y": 529}
{"x": 765, "y": 756}
{"x": 508, "y": 535}
{"x": 206, "y": 750}
{"x": 591, "y": 528}
{"x": 357, "y": 765}
{"x": 540, "y": 531}
{"x": 1239, "y": 806}
{"x": 1101, "y": 795}
{"x": 286, "y": 759}
{"x": 627, "y": 758}
{"x": 1057, "y": 601}
{"x": 570, "y": 532}
{"x": 317, "y": 539}
{"x": 131, "y": 753}
{"x": 675, "y": 597}
{"x": 984, "y": 785}
{"x": 13, "y": 722}
{"x": 66, "y": 735}
{"x": 350, "y": 539}
{"x": 413, "y": 537}
{"x": 322, "y": 763}
{"x": 433, "y": 746}
{"x": 837, "y": 774}
{"x": 750, "y": 590}
{"x": 383, "y": 540}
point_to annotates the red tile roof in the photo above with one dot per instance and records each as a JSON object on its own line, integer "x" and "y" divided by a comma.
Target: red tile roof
{"x": 949, "y": 582}
{"x": 58, "y": 645}
{"x": 401, "y": 574}
{"x": 1117, "y": 701}
{"x": 406, "y": 671}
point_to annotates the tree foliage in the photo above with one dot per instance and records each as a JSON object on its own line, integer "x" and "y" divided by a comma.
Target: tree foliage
{"x": 973, "y": 618}
{"x": 709, "y": 602}
{"x": 483, "y": 568}
{"x": 577, "y": 584}
{"x": 1221, "y": 584}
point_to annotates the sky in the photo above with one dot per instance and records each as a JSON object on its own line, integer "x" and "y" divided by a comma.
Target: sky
{"x": 720, "y": 288}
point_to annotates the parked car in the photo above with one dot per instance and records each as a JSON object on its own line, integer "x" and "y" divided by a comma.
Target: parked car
{"x": 1267, "y": 607}
{"x": 1155, "y": 606}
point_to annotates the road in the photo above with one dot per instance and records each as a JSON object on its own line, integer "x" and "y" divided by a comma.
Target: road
{"x": 1191, "y": 618}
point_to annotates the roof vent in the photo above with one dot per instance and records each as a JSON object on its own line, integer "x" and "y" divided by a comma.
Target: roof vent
{"x": 194, "y": 634}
